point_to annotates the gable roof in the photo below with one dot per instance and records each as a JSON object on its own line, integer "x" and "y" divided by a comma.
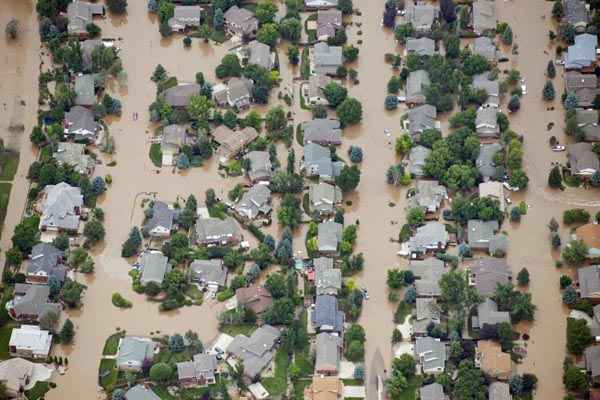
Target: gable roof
{"x": 260, "y": 54}
{"x": 260, "y": 165}
{"x": 255, "y": 201}
{"x": 256, "y": 351}
{"x": 430, "y": 353}
{"x": 575, "y": 12}
{"x": 327, "y": 58}
{"x": 422, "y": 118}
{"x": 499, "y": 391}
{"x": 582, "y": 159}
{"x": 491, "y": 87}
{"x": 326, "y": 316}
{"x": 328, "y": 280}
{"x": 202, "y": 366}
{"x": 485, "y": 159}
{"x": 140, "y": 392}
{"x": 415, "y": 86}
{"x": 316, "y": 83}
{"x": 241, "y": 20}
{"x": 85, "y": 94}
{"x": 328, "y": 349}
{"x": 492, "y": 359}
{"x": 324, "y": 197}
{"x": 487, "y": 273}
{"x": 232, "y": 142}
{"x": 486, "y": 122}
{"x": 325, "y": 387}
{"x": 73, "y": 154}
{"x": 209, "y": 271}
{"x": 488, "y": 314}
{"x": 80, "y": 14}
{"x": 484, "y": 16}
{"x": 317, "y": 161}
{"x": 587, "y": 120}
{"x": 422, "y": 47}
{"x": 80, "y": 121}
{"x": 590, "y": 235}
{"x": 479, "y": 233}
{"x": 583, "y": 52}
{"x": 155, "y": 266}
{"x": 429, "y": 272}
{"x": 433, "y": 391}
{"x": 430, "y": 236}
{"x": 135, "y": 350}
{"x": 589, "y": 281}
{"x": 421, "y": 15}
{"x": 255, "y": 297}
{"x": 592, "y": 360}
{"x": 162, "y": 217}
{"x": 417, "y": 157}
{"x": 45, "y": 259}
{"x": 429, "y": 195}
{"x": 584, "y": 86}
{"x": 61, "y": 206}
{"x": 329, "y": 236}
{"x": 184, "y": 16}
{"x": 322, "y": 131}
{"x": 327, "y": 22}
{"x": 484, "y": 46}
{"x": 215, "y": 229}
{"x": 493, "y": 190}
{"x": 180, "y": 95}
{"x": 32, "y": 300}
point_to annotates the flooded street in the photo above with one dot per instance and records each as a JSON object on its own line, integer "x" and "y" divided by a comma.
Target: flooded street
{"x": 134, "y": 174}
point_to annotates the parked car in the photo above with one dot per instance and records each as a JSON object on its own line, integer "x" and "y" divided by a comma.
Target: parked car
{"x": 447, "y": 215}
{"x": 559, "y": 147}
{"x": 511, "y": 188}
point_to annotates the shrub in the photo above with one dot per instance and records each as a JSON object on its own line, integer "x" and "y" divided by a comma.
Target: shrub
{"x": 120, "y": 301}
{"x": 576, "y": 215}
{"x": 548, "y": 93}
{"x": 355, "y": 153}
{"x": 391, "y": 102}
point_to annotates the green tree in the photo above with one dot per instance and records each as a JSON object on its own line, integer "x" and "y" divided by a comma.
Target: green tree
{"x": 94, "y": 231}
{"x": 349, "y": 178}
{"x": 25, "y": 235}
{"x": 161, "y": 373}
{"x": 117, "y": 6}
{"x": 469, "y": 383}
{"x": 548, "y": 93}
{"x": 67, "y": 332}
{"x": 345, "y": 6}
{"x": 349, "y": 111}
{"x": 335, "y": 93}
{"x": 290, "y": 29}
{"x": 403, "y": 31}
{"x": 555, "y": 178}
{"x": 416, "y": 217}
{"x": 265, "y": 11}
{"x": 218, "y": 19}
{"x": 578, "y": 336}
{"x": 575, "y": 252}
{"x": 268, "y": 34}
{"x": 507, "y": 36}
{"x": 551, "y": 70}
{"x": 523, "y": 277}
{"x": 290, "y": 212}
{"x": 293, "y": 55}
{"x": 276, "y": 120}
{"x": 350, "y": 53}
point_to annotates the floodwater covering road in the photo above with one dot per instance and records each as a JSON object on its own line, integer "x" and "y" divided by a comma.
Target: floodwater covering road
{"x": 143, "y": 49}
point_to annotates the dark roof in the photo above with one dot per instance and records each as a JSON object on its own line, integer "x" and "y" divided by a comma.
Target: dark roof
{"x": 179, "y": 96}
{"x": 46, "y": 260}
{"x": 326, "y": 316}
{"x": 488, "y": 272}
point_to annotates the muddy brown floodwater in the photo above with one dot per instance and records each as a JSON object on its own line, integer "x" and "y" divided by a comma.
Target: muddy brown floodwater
{"x": 134, "y": 174}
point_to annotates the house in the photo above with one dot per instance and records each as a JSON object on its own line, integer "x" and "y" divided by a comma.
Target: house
{"x": 215, "y": 231}
{"x": 328, "y": 22}
{"x": 433, "y": 391}
{"x": 326, "y": 59}
{"x": 174, "y": 136}
{"x": 493, "y": 190}
{"x": 421, "y": 15}
{"x": 160, "y": 224}
{"x": 589, "y": 282}
{"x": 429, "y": 195}
{"x": 199, "y": 372}
{"x": 324, "y": 387}
{"x": 590, "y": 235}
{"x": 575, "y": 13}
{"x": 87, "y": 48}
{"x": 258, "y": 391}
{"x": 428, "y": 273}
{"x": 236, "y": 93}
{"x": 324, "y": 131}
{"x": 430, "y": 355}
{"x": 479, "y": 233}
{"x": 231, "y": 143}
{"x": 498, "y": 245}
{"x": 582, "y": 160}
{"x": 30, "y": 341}
{"x": 488, "y": 314}
{"x": 209, "y": 273}
{"x": 328, "y": 350}
{"x": 73, "y": 154}
{"x": 80, "y": 14}
{"x": 19, "y": 375}
{"x": 85, "y": 90}
{"x": 416, "y": 160}
{"x": 185, "y": 17}
{"x": 491, "y": 87}
{"x": 420, "y": 119}
{"x": 80, "y": 124}
{"x": 487, "y": 273}
{"x": 421, "y": 47}
{"x": 486, "y": 123}
{"x": 329, "y": 237}
{"x": 592, "y": 361}
{"x": 324, "y": 198}
{"x": 31, "y": 302}
{"x": 255, "y": 298}
{"x": 428, "y": 312}
{"x": 428, "y": 238}
{"x": 584, "y": 86}
{"x": 313, "y": 91}
{"x": 595, "y": 325}
{"x": 325, "y": 316}
{"x": 154, "y": 267}
{"x": 134, "y": 352}
{"x": 179, "y": 96}
{"x": 241, "y": 22}
{"x": 61, "y": 208}
{"x": 485, "y": 160}
{"x": 582, "y": 54}
{"x": 416, "y": 83}
{"x": 45, "y": 263}
{"x": 484, "y": 16}
{"x": 587, "y": 121}
{"x": 328, "y": 280}
{"x": 492, "y": 361}
{"x": 317, "y": 162}
{"x": 260, "y": 54}
{"x": 254, "y": 203}
{"x": 485, "y": 47}
{"x": 257, "y": 351}
{"x": 499, "y": 391}
{"x": 141, "y": 392}
{"x": 320, "y": 4}
{"x": 261, "y": 169}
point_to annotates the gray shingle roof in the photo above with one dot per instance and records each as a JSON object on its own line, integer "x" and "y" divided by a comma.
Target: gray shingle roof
{"x": 254, "y": 202}
{"x": 185, "y": 16}
{"x": 260, "y": 54}
{"x": 80, "y": 122}
{"x": 256, "y": 351}
{"x": 173, "y": 137}
{"x": 85, "y": 94}
{"x": 261, "y": 168}
{"x": 133, "y": 351}
{"x": 499, "y": 391}
{"x": 434, "y": 391}
{"x": 429, "y": 195}
{"x": 155, "y": 265}
{"x": 484, "y": 16}
{"x": 421, "y": 47}
{"x": 45, "y": 259}
{"x": 208, "y": 271}
{"x": 80, "y": 14}
{"x": 587, "y": 120}
{"x": 322, "y": 131}
{"x": 179, "y": 96}
{"x": 328, "y": 280}
{"x": 487, "y": 273}
{"x": 582, "y": 159}
{"x": 61, "y": 207}
{"x": 492, "y": 88}
{"x": 325, "y": 316}
{"x": 428, "y": 273}
{"x": 427, "y": 312}
{"x": 421, "y": 118}
{"x": 584, "y": 86}
{"x": 488, "y": 314}
{"x": 140, "y": 392}
{"x": 241, "y": 21}
{"x": 231, "y": 143}
{"x": 431, "y": 236}
{"x": 328, "y": 349}
{"x": 420, "y": 15}
{"x": 583, "y": 53}
{"x": 327, "y": 58}
{"x": 430, "y": 353}
{"x": 499, "y": 243}
{"x": 316, "y": 83}
{"x": 575, "y": 12}
{"x": 73, "y": 154}
{"x": 415, "y": 86}
{"x": 592, "y": 360}
{"x": 479, "y": 233}
{"x": 162, "y": 217}
{"x": 416, "y": 158}
{"x": 324, "y": 197}
{"x": 486, "y": 122}
{"x": 203, "y": 366}
{"x": 328, "y": 21}
{"x": 32, "y": 301}
{"x": 329, "y": 236}
{"x": 589, "y": 281}
{"x": 211, "y": 230}
{"x": 484, "y": 46}
{"x": 320, "y": 3}
{"x": 485, "y": 160}
{"x": 317, "y": 161}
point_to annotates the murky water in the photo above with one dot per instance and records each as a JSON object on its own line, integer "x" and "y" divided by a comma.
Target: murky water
{"x": 134, "y": 174}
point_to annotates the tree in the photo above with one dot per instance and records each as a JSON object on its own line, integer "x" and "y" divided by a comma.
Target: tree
{"x": 349, "y": 111}
{"x": 355, "y": 351}
{"x": 265, "y": 11}
{"x": 575, "y": 252}
{"x": 416, "y": 217}
{"x": 410, "y": 296}
{"x": 452, "y": 45}
{"x": 335, "y": 94}
{"x": 98, "y": 186}
{"x": 94, "y": 231}
{"x": 391, "y": 102}
{"x": 405, "y": 364}
{"x": 403, "y": 31}
{"x": 67, "y": 332}
{"x": 48, "y": 320}
{"x": 268, "y": 34}
{"x": 578, "y": 335}
{"x": 14, "y": 257}
{"x": 230, "y": 66}
{"x": 93, "y": 30}
{"x": 118, "y": 394}
{"x": 276, "y": 120}
{"x": 551, "y": 70}
{"x": 290, "y": 212}
{"x": 514, "y": 104}
{"x": 12, "y": 29}
{"x": 71, "y": 293}
{"x": 161, "y": 373}
{"x": 475, "y": 64}
{"x": 569, "y": 295}
{"x": 507, "y": 36}
{"x": 448, "y": 10}
{"x": 152, "y": 289}
{"x": 469, "y": 383}
{"x": 117, "y": 6}
{"x": 349, "y": 178}
{"x": 159, "y": 74}
{"x": 523, "y": 277}
{"x": 187, "y": 42}
{"x": 293, "y": 55}
{"x": 389, "y": 15}
{"x": 571, "y": 101}
{"x": 25, "y": 234}
{"x": 567, "y": 32}
{"x": 355, "y": 154}
{"x": 290, "y": 29}
{"x": 276, "y": 285}
{"x": 557, "y": 10}
{"x": 575, "y": 379}
{"x": 282, "y": 312}
{"x": 396, "y": 384}
{"x": 350, "y": 53}
{"x": 218, "y": 19}
{"x": 176, "y": 344}
{"x": 555, "y": 178}
{"x": 548, "y": 93}
{"x": 345, "y": 6}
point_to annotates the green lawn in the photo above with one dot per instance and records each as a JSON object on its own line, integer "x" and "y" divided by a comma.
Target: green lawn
{"x": 234, "y": 330}
{"x": 298, "y": 390}
{"x": 218, "y": 36}
{"x": 352, "y": 382}
{"x": 277, "y": 384}
{"x": 163, "y": 393}
{"x": 5, "y": 332}
{"x": 404, "y": 309}
{"x": 9, "y": 161}
{"x": 305, "y": 364}
{"x": 156, "y": 154}
{"x": 108, "y": 374}
{"x": 5, "y": 189}
{"x": 193, "y": 393}
{"x": 411, "y": 392}
{"x": 38, "y": 391}
{"x": 112, "y": 344}
{"x": 195, "y": 294}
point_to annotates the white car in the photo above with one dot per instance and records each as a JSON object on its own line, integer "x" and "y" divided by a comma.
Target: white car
{"x": 523, "y": 87}
{"x": 559, "y": 147}
{"x": 511, "y": 188}
{"x": 365, "y": 293}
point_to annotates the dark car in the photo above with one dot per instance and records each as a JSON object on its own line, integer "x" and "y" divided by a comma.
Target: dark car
{"x": 447, "y": 215}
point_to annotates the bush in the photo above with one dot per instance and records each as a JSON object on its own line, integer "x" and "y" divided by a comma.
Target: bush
{"x": 117, "y": 6}
{"x": 523, "y": 277}
{"x": 120, "y": 301}
{"x": 187, "y": 42}
{"x": 548, "y": 93}
{"x": 12, "y": 29}
{"x": 355, "y": 153}
{"x": 161, "y": 373}
{"x": 576, "y": 215}
{"x": 391, "y": 102}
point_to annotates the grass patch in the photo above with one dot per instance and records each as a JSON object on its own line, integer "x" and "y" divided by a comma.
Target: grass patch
{"x": 304, "y": 362}
{"x": 193, "y": 393}
{"x": 38, "y": 391}
{"x": 156, "y": 154}
{"x": 410, "y": 393}
{"x": 9, "y": 161}
{"x": 166, "y": 356}
{"x": 234, "y": 330}
{"x": 5, "y": 189}
{"x": 403, "y": 310}
{"x": 5, "y": 333}
{"x": 195, "y": 294}
{"x": 163, "y": 393}
{"x": 305, "y": 64}
{"x": 112, "y": 344}
{"x": 218, "y": 36}
{"x": 277, "y": 384}
{"x": 298, "y": 389}
{"x": 353, "y": 382}
{"x": 108, "y": 374}
{"x": 217, "y": 210}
